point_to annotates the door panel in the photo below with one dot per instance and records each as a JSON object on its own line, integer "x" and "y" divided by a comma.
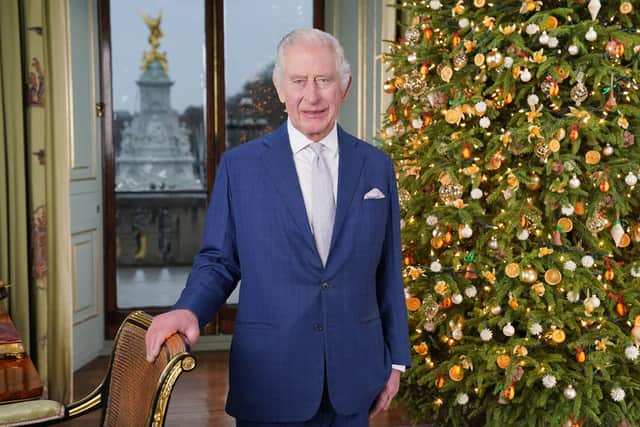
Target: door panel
{"x": 85, "y": 186}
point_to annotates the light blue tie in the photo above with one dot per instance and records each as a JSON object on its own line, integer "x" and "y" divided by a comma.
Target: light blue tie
{"x": 323, "y": 206}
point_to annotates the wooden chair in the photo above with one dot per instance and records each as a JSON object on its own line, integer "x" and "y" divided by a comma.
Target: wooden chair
{"x": 133, "y": 391}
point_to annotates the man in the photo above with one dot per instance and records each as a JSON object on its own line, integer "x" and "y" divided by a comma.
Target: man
{"x": 308, "y": 217}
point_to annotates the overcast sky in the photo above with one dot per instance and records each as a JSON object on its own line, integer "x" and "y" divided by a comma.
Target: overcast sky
{"x": 252, "y": 30}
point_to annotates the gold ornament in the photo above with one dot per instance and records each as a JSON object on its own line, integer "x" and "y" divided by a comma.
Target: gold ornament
{"x": 512, "y": 270}
{"x": 625, "y": 8}
{"x": 422, "y": 349}
{"x": 390, "y": 87}
{"x": 581, "y": 356}
{"x": 503, "y": 361}
{"x": 479, "y": 3}
{"x": 460, "y": 60}
{"x": 565, "y": 224}
{"x": 558, "y": 336}
{"x": 534, "y": 182}
{"x": 579, "y": 93}
{"x": 605, "y": 186}
{"x": 635, "y": 331}
{"x": 452, "y": 116}
{"x": 446, "y": 73}
{"x": 551, "y": 23}
{"x": 528, "y": 274}
{"x": 554, "y": 145}
{"x": 440, "y": 381}
{"x": 415, "y": 84}
{"x": 494, "y": 59}
{"x": 552, "y": 276}
{"x": 478, "y": 59}
{"x": 456, "y": 373}
{"x": 413, "y": 303}
{"x": 542, "y": 150}
{"x": 621, "y": 309}
{"x": 510, "y": 392}
{"x": 538, "y": 289}
{"x": 451, "y": 192}
{"x": 592, "y": 157}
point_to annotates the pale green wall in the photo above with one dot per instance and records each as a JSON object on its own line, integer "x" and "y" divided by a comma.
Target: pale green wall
{"x": 362, "y": 26}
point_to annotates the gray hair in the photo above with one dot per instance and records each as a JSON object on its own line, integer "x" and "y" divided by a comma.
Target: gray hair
{"x": 316, "y": 36}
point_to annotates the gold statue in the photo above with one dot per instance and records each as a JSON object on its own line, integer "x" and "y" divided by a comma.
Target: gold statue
{"x": 155, "y": 34}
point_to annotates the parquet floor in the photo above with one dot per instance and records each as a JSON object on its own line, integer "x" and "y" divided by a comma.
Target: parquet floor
{"x": 198, "y": 398}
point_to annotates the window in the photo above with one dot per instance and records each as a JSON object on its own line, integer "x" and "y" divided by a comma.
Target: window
{"x": 184, "y": 82}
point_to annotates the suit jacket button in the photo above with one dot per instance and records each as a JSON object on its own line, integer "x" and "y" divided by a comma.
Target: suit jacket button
{"x": 319, "y": 327}
{"x": 324, "y": 285}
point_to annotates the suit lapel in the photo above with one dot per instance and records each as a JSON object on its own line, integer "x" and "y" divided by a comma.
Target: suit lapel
{"x": 278, "y": 159}
{"x": 349, "y": 170}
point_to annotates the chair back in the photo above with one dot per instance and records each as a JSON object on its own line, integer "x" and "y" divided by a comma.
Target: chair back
{"x": 137, "y": 392}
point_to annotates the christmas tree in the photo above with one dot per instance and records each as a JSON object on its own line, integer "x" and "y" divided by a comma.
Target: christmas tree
{"x": 512, "y": 127}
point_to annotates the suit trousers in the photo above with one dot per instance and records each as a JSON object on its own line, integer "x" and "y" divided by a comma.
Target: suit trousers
{"x": 325, "y": 417}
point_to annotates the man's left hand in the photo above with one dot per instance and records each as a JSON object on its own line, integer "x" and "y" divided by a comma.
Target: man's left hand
{"x": 387, "y": 394}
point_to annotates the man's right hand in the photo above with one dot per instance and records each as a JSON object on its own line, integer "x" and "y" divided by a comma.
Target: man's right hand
{"x": 167, "y": 324}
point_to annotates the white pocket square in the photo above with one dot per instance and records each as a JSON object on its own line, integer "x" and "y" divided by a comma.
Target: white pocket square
{"x": 374, "y": 193}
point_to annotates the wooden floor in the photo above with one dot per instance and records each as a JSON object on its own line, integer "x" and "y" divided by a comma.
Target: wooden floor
{"x": 198, "y": 398}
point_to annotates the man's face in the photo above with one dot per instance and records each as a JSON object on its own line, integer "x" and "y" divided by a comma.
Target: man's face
{"x": 310, "y": 88}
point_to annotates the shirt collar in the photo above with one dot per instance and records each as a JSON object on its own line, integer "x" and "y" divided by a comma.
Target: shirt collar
{"x": 299, "y": 141}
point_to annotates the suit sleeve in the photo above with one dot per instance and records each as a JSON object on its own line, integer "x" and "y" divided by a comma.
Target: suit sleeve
{"x": 216, "y": 269}
{"x": 391, "y": 299}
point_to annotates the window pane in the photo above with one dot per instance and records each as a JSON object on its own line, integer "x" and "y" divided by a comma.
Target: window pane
{"x": 159, "y": 138}
{"x": 252, "y": 29}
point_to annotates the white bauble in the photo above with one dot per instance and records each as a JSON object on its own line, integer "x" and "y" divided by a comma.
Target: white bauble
{"x": 532, "y": 29}
{"x": 631, "y": 352}
{"x": 573, "y": 50}
{"x": 533, "y": 99}
{"x": 617, "y": 394}
{"x": 471, "y": 291}
{"x": 549, "y": 381}
{"x": 432, "y": 220}
{"x": 569, "y": 265}
{"x": 553, "y": 42}
{"x": 535, "y": 329}
{"x": 525, "y": 75}
{"x": 574, "y": 182}
{"x": 476, "y": 194}
{"x": 587, "y": 261}
{"x": 524, "y": 234}
{"x": 544, "y": 38}
{"x": 567, "y": 210}
{"x": 631, "y": 179}
{"x": 463, "y": 23}
{"x": 435, "y": 4}
{"x": 591, "y": 35}
{"x": 508, "y": 330}
{"x": 481, "y": 107}
{"x": 485, "y": 122}
{"x": 462, "y": 399}
{"x": 508, "y": 62}
{"x": 417, "y": 123}
{"x": 466, "y": 232}
{"x": 486, "y": 334}
{"x": 436, "y": 267}
{"x": 573, "y": 296}
{"x": 456, "y": 298}
{"x": 569, "y": 392}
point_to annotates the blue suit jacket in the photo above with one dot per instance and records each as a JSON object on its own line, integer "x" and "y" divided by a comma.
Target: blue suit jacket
{"x": 294, "y": 316}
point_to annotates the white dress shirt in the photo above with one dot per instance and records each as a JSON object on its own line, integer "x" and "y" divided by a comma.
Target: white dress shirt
{"x": 303, "y": 159}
